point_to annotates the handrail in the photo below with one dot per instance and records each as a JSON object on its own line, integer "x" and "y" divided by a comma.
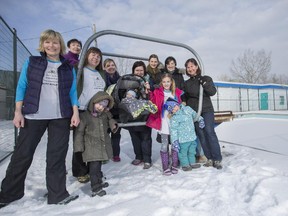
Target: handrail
{"x": 145, "y": 38}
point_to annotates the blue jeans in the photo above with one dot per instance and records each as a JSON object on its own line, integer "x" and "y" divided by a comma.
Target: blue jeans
{"x": 208, "y": 137}
{"x": 199, "y": 149}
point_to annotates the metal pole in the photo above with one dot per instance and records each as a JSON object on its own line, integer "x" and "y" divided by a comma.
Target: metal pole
{"x": 15, "y": 76}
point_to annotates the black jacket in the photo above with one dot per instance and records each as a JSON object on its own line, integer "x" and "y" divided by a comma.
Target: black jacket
{"x": 192, "y": 90}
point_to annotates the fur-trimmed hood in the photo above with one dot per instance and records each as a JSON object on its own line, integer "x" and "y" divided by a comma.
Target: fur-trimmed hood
{"x": 99, "y": 96}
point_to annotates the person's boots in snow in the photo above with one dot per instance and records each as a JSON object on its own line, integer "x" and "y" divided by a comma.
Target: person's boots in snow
{"x": 165, "y": 163}
{"x": 174, "y": 155}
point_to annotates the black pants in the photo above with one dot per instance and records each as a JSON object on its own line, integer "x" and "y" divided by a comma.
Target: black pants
{"x": 12, "y": 187}
{"x": 115, "y": 139}
{"x": 79, "y": 168}
{"x": 96, "y": 175}
{"x": 142, "y": 142}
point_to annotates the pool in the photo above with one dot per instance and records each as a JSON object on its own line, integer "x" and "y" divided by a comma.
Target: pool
{"x": 271, "y": 115}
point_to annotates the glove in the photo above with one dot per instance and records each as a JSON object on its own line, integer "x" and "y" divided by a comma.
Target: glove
{"x": 202, "y": 80}
{"x": 201, "y": 123}
{"x": 176, "y": 145}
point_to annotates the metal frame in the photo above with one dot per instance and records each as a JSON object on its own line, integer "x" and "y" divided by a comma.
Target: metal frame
{"x": 140, "y": 37}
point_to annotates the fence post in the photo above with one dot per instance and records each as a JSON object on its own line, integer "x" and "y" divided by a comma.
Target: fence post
{"x": 15, "y": 76}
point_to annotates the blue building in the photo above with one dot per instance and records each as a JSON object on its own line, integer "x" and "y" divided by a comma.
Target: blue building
{"x": 242, "y": 97}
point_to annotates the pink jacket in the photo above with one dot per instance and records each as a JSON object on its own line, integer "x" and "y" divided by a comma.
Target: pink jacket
{"x": 157, "y": 97}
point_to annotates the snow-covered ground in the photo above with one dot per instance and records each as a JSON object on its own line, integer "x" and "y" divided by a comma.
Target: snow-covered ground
{"x": 252, "y": 181}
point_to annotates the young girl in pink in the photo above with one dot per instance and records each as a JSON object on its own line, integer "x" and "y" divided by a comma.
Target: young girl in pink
{"x": 160, "y": 120}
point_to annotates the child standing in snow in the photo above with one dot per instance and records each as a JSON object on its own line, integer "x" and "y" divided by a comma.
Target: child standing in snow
{"x": 183, "y": 135}
{"x": 93, "y": 140}
{"x": 160, "y": 120}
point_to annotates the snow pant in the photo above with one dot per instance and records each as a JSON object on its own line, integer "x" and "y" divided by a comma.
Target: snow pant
{"x": 142, "y": 142}
{"x": 187, "y": 153}
{"x": 164, "y": 142}
{"x": 79, "y": 167}
{"x": 208, "y": 138}
{"x": 96, "y": 175}
{"x": 115, "y": 140}
{"x": 58, "y": 130}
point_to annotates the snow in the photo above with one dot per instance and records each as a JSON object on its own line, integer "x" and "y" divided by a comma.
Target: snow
{"x": 252, "y": 181}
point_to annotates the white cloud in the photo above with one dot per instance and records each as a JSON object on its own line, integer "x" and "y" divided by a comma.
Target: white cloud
{"x": 218, "y": 30}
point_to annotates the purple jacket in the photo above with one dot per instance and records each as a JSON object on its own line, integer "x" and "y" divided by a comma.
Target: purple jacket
{"x": 72, "y": 58}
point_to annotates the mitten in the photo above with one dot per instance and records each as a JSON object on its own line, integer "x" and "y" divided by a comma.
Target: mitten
{"x": 201, "y": 123}
{"x": 176, "y": 145}
{"x": 202, "y": 80}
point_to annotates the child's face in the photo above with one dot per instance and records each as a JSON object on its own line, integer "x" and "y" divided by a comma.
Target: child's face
{"x": 166, "y": 83}
{"x": 128, "y": 95}
{"x": 175, "y": 109}
{"x": 98, "y": 107}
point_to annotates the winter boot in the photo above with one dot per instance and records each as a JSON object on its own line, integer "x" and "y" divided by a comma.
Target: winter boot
{"x": 174, "y": 155}
{"x": 217, "y": 164}
{"x": 208, "y": 163}
{"x": 98, "y": 191}
{"x": 68, "y": 200}
{"x": 165, "y": 163}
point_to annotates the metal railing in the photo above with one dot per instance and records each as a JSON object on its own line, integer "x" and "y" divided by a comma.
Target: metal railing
{"x": 139, "y": 37}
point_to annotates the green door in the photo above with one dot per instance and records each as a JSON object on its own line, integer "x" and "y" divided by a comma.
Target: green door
{"x": 264, "y": 101}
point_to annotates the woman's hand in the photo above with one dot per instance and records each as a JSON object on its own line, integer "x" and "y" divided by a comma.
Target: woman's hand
{"x": 18, "y": 120}
{"x": 75, "y": 120}
{"x": 147, "y": 87}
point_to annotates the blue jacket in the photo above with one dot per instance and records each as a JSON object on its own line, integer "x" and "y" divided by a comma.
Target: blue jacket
{"x": 182, "y": 125}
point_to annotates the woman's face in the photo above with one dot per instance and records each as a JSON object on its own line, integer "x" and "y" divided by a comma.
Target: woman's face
{"x": 191, "y": 69}
{"x": 75, "y": 48}
{"x": 139, "y": 71}
{"x": 153, "y": 62}
{"x": 171, "y": 66}
{"x": 93, "y": 60}
{"x": 110, "y": 67}
{"x": 52, "y": 48}
{"x": 166, "y": 83}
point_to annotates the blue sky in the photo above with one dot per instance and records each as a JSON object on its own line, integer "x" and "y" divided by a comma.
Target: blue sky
{"x": 219, "y": 30}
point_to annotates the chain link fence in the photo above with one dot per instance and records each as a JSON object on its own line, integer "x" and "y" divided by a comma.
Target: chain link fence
{"x": 13, "y": 53}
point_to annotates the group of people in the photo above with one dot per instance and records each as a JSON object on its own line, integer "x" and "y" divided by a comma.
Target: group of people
{"x": 48, "y": 98}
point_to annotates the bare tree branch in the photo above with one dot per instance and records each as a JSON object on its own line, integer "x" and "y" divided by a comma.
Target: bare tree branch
{"x": 251, "y": 67}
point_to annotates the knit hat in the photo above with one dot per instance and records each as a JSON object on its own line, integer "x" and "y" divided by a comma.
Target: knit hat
{"x": 132, "y": 93}
{"x": 104, "y": 103}
{"x": 170, "y": 104}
